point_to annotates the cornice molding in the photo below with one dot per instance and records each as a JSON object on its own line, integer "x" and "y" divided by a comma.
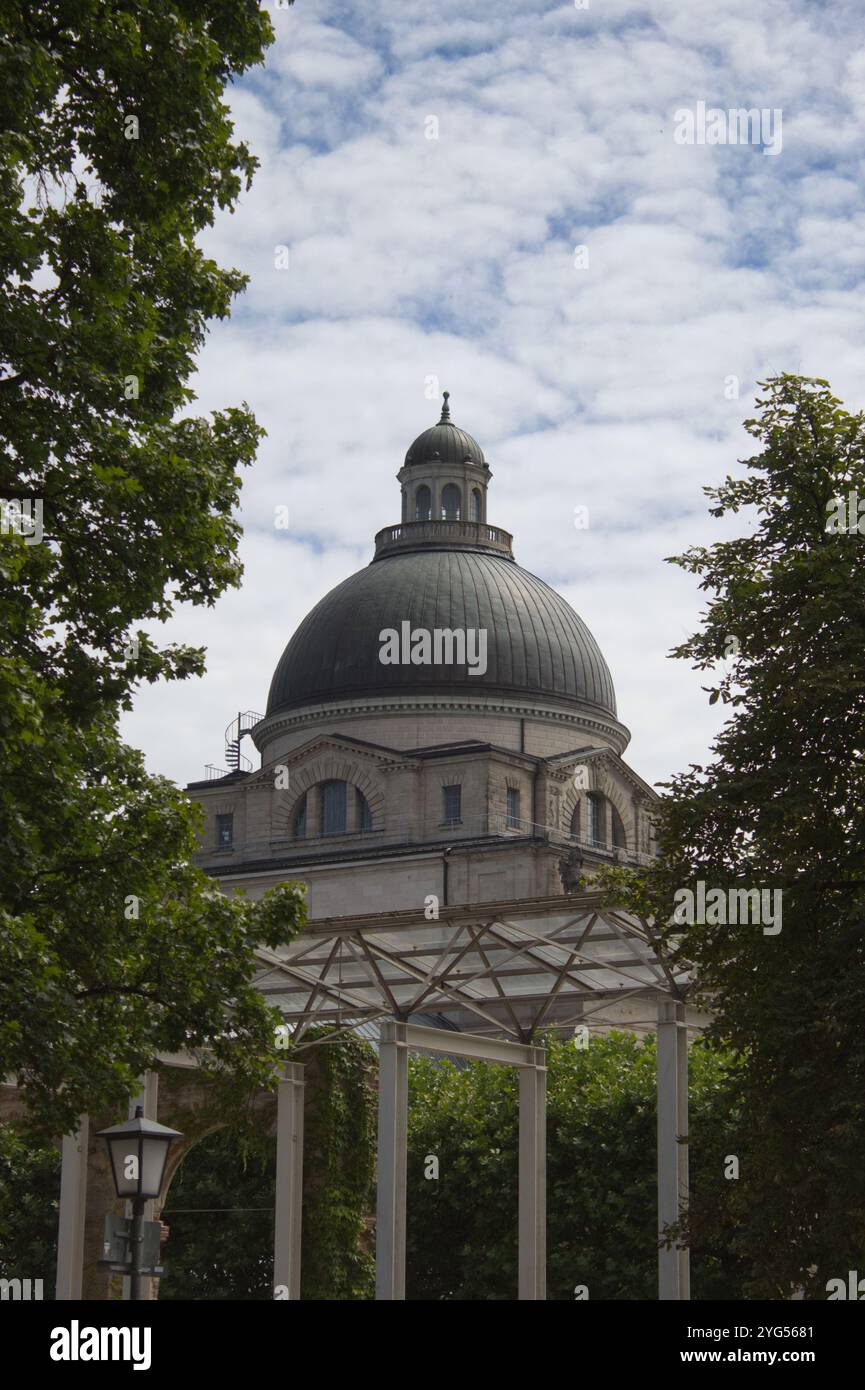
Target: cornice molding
{"x": 578, "y": 717}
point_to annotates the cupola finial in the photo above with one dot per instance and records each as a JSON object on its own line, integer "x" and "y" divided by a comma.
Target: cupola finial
{"x": 446, "y": 410}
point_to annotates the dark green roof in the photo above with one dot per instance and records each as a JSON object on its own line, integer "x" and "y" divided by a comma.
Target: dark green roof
{"x": 536, "y": 643}
{"x": 444, "y": 443}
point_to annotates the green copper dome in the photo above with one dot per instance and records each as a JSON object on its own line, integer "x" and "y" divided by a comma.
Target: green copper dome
{"x": 444, "y": 574}
{"x": 444, "y": 442}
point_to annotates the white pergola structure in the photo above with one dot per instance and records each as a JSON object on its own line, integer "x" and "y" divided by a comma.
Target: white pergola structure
{"x": 499, "y": 973}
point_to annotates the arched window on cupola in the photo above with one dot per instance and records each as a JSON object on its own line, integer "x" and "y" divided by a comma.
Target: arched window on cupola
{"x": 451, "y": 502}
{"x": 475, "y": 505}
{"x": 422, "y": 503}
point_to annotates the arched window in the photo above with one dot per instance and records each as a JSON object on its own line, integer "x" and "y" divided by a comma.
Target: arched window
{"x": 333, "y": 808}
{"x": 451, "y": 502}
{"x": 298, "y": 830}
{"x": 364, "y": 814}
{"x": 596, "y": 830}
{"x": 476, "y": 505}
{"x": 422, "y": 503}
{"x": 575, "y": 822}
{"x": 620, "y": 839}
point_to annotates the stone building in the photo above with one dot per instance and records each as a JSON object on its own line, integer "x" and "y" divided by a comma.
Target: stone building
{"x": 441, "y": 726}
{"x": 441, "y": 735}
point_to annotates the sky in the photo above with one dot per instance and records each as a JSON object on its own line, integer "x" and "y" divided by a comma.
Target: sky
{"x": 502, "y": 201}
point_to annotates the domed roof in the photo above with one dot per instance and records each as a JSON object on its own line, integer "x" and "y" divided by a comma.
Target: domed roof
{"x": 537, "y": 646}
{"x": 445, "y": 443}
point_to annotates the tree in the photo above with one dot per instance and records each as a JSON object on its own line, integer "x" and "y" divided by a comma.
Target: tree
{"x": 29, "y": 1198}
{"x": 115, "y": 150}
{"x": 601, "y": 1174}
{"x": 220, "y": 1206}
{"x": 781, "y": 808}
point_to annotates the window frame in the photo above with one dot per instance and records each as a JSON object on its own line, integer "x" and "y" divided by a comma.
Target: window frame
{"x": 423, "y": 488}
{"x": 224, "y": 820}
{"x": 451, "y": 790}
{"x": 324, "y": 788}
{"x": 454, "y": 489}
{"x": 596, "y": 820}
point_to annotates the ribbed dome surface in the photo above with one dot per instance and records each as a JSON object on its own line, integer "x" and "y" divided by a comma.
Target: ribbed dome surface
{"x": 444, "y": 443}
{"x": 536, "y": 643}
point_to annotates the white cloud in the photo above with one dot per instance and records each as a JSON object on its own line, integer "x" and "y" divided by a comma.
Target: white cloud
{"x": 454, "y": 258}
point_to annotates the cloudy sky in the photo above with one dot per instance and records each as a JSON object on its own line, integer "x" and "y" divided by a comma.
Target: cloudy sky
{"x": 419, "y": 263}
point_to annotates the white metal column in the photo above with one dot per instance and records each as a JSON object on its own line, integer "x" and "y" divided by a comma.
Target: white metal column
{"x": 673, "y": 1263}
{"x": 395, "y": 1041}
{"x": 73, "y": 1202}
{"x": 392, "y": 1159}
{"x": 533, "y": 1179}
{"x": 288, "y": 1203}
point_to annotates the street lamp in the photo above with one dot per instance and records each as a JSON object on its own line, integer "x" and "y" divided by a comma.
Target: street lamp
{"x": 138, "y": 1151}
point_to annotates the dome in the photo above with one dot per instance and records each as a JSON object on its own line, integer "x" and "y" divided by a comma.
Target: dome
{"x": 537, "y": 646}
{"x": 444, "y": 442}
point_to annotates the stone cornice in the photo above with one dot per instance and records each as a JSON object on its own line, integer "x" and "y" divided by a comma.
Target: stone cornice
{"x": 577, "y": 716}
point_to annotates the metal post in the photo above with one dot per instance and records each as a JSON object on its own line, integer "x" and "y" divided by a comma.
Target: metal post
{"x": 136, "y": 1278}
{"x": 73, "y": 1201}
{"x": 673, "y": 1263}
{"x": 289, "y": 1181}
{"x": 533, "y": 1179}
{"x": 682, "y": 1150}
{"x": 392, "y": 1161}
{"x": 148, "y": 1099}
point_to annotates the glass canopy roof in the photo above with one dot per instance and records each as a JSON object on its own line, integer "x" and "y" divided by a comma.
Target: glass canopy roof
{"x": 510, "y": 968}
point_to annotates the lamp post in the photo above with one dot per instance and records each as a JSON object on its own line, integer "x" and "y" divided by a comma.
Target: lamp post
{"x": 138, "y": 1151}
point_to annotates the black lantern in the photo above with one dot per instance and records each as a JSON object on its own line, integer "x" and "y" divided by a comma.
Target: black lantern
{"x": 138, "y": 1151}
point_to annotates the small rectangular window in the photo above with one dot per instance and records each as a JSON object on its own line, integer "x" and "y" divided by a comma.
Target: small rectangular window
{"x": 451, "y": 797}
{"x": 513, "y": 808}
{"x": 225, "y": 831}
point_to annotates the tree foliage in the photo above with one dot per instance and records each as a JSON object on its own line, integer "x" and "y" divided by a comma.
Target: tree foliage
{"x": 29, "y": 1203}
{"x": 601, "y": 1174}
{"x": 225, "y": 1249}
{"x": 115, "y": 150}
{"x": 781, "y": 806}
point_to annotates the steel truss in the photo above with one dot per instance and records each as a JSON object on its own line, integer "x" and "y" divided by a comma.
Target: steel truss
{"x": 512, "y": 968}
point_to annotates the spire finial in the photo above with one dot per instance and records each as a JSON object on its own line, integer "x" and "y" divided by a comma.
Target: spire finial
{"x": 446, "y": 410}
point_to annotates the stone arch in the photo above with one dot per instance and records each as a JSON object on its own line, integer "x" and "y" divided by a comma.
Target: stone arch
{"x": 327, "y": 767}
{"x": 605, "y": 785}
{"x": 612, "y": 791}
{"x": 452, "y": 502}
{"x": 423, "y": 503}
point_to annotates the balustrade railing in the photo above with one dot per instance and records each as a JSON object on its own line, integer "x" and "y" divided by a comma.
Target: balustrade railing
{"x": 477, "y": 533}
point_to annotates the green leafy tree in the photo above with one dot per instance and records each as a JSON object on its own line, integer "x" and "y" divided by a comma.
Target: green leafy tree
{"x": 601, "y": 1174}
{"x": 781, "y": 807}
{"x": 115, "y": 150}
{"x": 223, "y": 1247}
{"x": 220, "y": 1219}
{"x": 29, "y": 1198}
